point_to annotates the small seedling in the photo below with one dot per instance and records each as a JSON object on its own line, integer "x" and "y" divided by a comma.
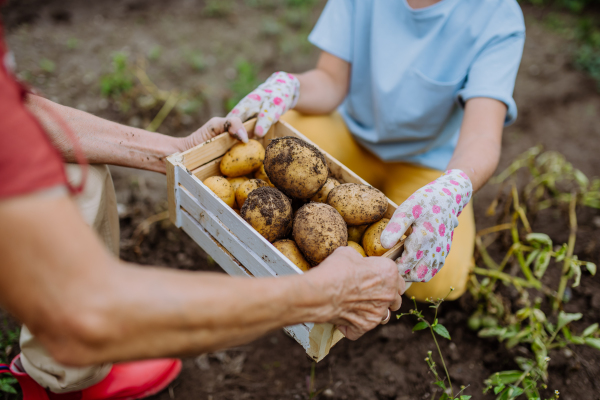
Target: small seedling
{"x": 436, "y": 328}
{"x": 47, "y": 66}
{"x": 72, "y": 43}
{"x": 154, "y": 53}
{"x": 120, "y": 79}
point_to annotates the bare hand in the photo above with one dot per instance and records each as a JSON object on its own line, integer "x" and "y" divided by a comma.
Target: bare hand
{"x": 362, "y": 289}
{"x": 214, "y": 127}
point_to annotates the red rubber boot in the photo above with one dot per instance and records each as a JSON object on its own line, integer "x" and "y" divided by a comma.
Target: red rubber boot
{"x": 125, "y": 381}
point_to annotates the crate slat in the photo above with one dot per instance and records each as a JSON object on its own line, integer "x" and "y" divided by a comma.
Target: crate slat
{"x": 279, "y": 264}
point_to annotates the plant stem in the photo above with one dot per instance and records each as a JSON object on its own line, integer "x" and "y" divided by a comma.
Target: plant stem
{"x": 570, "y": 248}
{"x": 503, "y": 276}
{"x": 442, "y": 358}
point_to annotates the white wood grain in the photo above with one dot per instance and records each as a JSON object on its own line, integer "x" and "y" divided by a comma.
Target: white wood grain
{"x": 208, "y": 243}
{"x": 244, "y": 232}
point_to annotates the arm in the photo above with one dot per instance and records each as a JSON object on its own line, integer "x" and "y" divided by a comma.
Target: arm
{"x": 324, "y": 88}
{"x": 318, "y": 91}
{"x": 106, "y": 142}
{"x": 478, "y": 150}
{"x": 86, "y": 307}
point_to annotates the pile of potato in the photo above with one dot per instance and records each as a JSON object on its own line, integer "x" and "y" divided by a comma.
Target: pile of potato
{"x": 286, "y": 194}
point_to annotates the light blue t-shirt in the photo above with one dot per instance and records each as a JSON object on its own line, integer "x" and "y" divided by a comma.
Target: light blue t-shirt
{"x": 413, "y": 70}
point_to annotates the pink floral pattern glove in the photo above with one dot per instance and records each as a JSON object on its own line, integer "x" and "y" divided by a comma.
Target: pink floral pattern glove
{"x": 269, "y": 101}
{"x": 433, "y": 212}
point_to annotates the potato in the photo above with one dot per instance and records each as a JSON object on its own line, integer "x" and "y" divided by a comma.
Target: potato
{"x": 321, "y": 196}
{"x": 235, "y": 184}
{"x": 222, "y": 188}
{"x": 356, "y": 232}
{"x": 243, "y": 159}
{"x": 262, "y": 175}
{"x": 295, "y": 167}
{"x": 357, "y": 203}
{"x": 243, "y": 190}
{"x": 292, "y": 252}
{"x": 357, "y": 247}
{"x": 371, "y": 240}
{"x": 318, "y": 230}
{"x": 269, "y": 212}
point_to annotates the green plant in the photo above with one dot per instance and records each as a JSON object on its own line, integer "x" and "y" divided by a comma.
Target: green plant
{"x": 218, "y": 8}
{"x": 47, "y": 66}
{"x": 120, "y": 79}
{"x": 245, "y": 81}
{"x": 553, "y": 183}
{"x": 436, "y": 328}
{"x": 154, "y": 53}
{"x": 72, "y": 43}
{"x": 196, "y": 60}
{"x": 8, "y": 340}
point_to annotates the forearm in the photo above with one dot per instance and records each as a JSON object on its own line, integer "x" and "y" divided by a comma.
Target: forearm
{"x": 324, "y": 88}
{"x": 103, "y": 141}
{"x": 478, "y": 149}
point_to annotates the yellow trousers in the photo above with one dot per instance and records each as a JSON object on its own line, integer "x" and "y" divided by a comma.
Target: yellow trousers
{"x": 398, "y": 181}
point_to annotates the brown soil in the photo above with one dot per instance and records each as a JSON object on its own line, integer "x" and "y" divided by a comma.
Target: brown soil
{"x": 559, "y": 107}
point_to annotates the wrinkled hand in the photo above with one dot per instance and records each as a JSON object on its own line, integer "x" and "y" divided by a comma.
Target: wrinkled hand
{"x": 269, "y": 101}
{"x": 434, "y": 211}
{"x": 214, "y": 127}
{"x": 362, "y": 290}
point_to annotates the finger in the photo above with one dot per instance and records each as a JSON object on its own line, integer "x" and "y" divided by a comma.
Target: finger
{"x": 236, "y": 129}
{"x": 395, "y": 306}
{"x": 343, "y": 329}
{"x": 263, "y": 124}
{"x": 398, "y": 225}
{"x": 353, "y": 333}
{"x": 411, "y": 263}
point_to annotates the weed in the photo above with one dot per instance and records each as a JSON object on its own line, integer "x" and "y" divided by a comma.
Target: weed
{"x": 271, "y": 28}
{"x": 245, "y": 81}
{"x": 120, "y": 79}
{"x": 47, "y": 66}
{"x": 154, "y": 53}
{"x": 72, "y": 43}
{"x": 264, "y": 4}
{"x": 8, "y": 339}
{"x": 196, "y": 60}
{"x": 552, "y": 183}
{"x": 436, "y": 328}
{"x": 218, "y": 8}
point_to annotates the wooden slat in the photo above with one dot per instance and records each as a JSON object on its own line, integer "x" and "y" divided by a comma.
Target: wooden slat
{"x": 211, "y": 149}
{"x": 211, "y": 246}
{"x": 223, "y": 235}
{"x": 210, "y": 169}
{"x": 172, "y": 186}
{"x": 246, "y": 234}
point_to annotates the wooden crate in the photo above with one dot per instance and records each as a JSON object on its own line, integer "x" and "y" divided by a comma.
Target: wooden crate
{"x": 232, "y": 242}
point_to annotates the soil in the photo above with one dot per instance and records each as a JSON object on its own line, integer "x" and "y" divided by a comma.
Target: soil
{"x": 559, "y": 107}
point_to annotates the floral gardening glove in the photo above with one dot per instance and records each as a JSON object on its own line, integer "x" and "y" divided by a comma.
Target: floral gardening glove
{"x": 433, "y": 210}
{"x": 269, "y": 101}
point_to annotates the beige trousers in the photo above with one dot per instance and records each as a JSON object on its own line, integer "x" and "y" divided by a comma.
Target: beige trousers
{"x": 98, "y": 207}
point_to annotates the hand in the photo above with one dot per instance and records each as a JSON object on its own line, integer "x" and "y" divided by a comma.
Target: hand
{"x": 361, "y": 290}
{"x": 434, "y": 211}
{"x": 215, "y": 126}
{"x": 269, "y": 101}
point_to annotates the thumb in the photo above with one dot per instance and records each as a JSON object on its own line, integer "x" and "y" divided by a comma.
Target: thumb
{"x": 237, "y": 129}
{"x": 395, "y": 229}
{"x": 263, "y": 124}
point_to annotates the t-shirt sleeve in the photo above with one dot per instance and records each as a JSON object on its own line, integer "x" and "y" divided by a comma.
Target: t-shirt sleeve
{"x": 28, "y": 161}
{"x": 494, "y": 71}
{"x": 333, "y": 31}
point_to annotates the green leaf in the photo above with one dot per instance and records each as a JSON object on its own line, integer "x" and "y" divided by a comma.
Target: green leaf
{"x": 591, "y": 267}
{"x": 491, "y": 332}
{"x": 541, "y": 238}
{"x": 499, "y": 388}
{"x": 576, "y": 271}
{"x": 581, "y": 179}
{"x": 515, "y": 392}
{"x": 561, "y": 253}
{"x": 465, "y": 397}
{"x": 442, "y": 331}
{"x": 541, "y": 264}
{"x": 590, "y": 330}
{"x": 420, "y": 326}
{"x": 532, "y": 256}
{"x": 565, "y": 318}
{"x": 539, "y": 315}
{"x": 6, "y": 385}
{"x": 593, "y": 342}
{"x": 505, "y": 377}
{"x": 577, "y": 340}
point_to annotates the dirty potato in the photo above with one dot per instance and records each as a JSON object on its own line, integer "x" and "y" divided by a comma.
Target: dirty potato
{"x": 292, "y": 252}
{"x": 222, "y": 188}
{"x": 269, "y": 212}
{"x": 262, "y": 175}
{"x": 321, "y": 196}
{"x": 235, "y": 184}
{"x": 295, "y": 167}
{"x": 318, "y": 230}
{"x": 243, "y": 190}
{"x": 356, "y": 232}
{"x": 357, "y": 247}
{"x": 243, "y": 159}
{"x": 357, "y": 203}
{"x": 371, "y": 240}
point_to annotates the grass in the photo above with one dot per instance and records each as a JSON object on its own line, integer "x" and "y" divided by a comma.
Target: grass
{"x": 246, "y": 80}
{"x": 8, "y": 340}
{"x": 120, "y": 79}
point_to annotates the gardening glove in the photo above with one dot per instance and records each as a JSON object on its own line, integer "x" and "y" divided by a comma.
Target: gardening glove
{"x": 434, "y": 211}
{"x": 269, "y": 101}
